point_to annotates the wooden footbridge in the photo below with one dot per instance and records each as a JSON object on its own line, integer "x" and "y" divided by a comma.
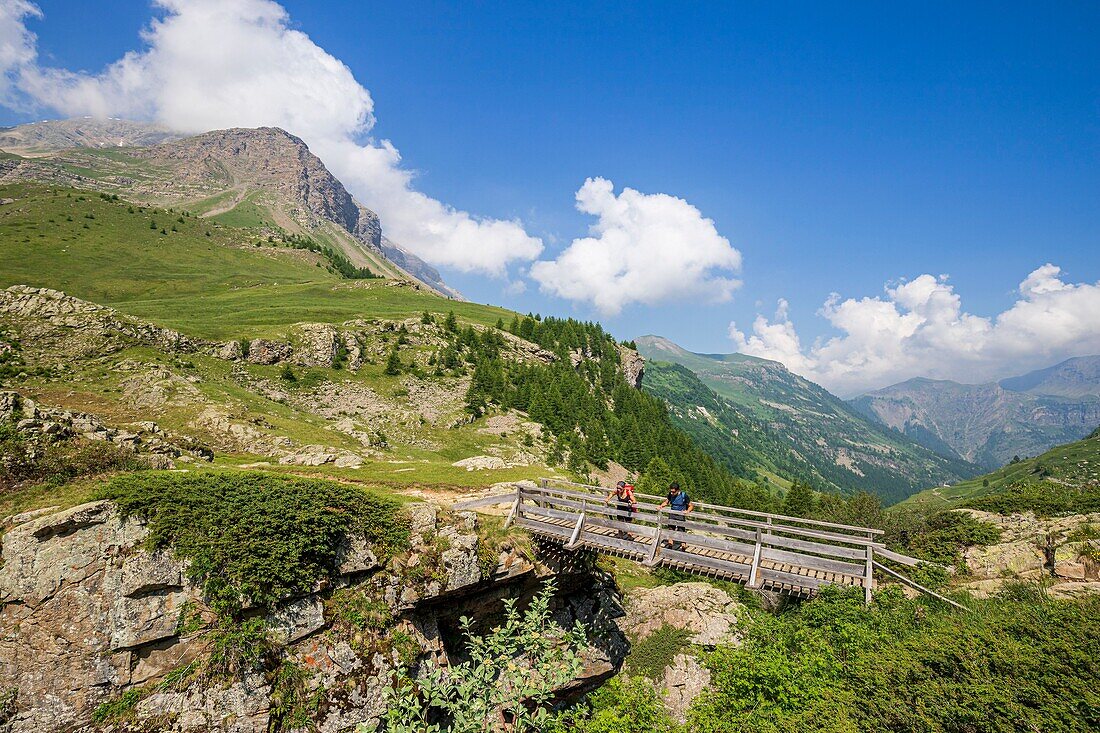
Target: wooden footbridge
{"x": 790, "y": 555}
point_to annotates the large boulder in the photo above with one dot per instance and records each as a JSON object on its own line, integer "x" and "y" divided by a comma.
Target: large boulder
{"x": 708, "y": 612}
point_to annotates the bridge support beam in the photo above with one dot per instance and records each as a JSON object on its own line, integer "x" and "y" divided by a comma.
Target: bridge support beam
{"x": 576, "y": 530}
{"x": 656, "y": 542}
{"x": 515, "y": 508}
{"x": 754, "y": 571}
{"x": 869, "y": 577}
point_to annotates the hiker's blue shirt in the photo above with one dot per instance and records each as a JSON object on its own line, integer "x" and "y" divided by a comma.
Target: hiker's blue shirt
{"x": 679, "y": 502}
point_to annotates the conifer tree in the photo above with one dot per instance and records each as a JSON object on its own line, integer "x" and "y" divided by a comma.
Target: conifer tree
{"x": 800, "y": 501}
{"x": 393, "y": 363}
{"x": 656, "y": 478}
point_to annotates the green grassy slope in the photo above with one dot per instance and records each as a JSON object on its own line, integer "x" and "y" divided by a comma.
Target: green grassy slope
{"x": 216, "y": 286}
{"x": 826, "y": 442}
{"x": 1065, "y": 479}
{"x": 237, "y": 284}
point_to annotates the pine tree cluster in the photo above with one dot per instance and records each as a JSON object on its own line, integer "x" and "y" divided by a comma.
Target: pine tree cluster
{"x": 585, "y": 403}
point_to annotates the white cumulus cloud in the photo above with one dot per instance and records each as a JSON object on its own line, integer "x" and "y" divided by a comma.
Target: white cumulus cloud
{"x": 919, "y": 328}
{"x": 210, "y": 64}
{"x": 643, "y": 248}
{"x": 17, "y": 45}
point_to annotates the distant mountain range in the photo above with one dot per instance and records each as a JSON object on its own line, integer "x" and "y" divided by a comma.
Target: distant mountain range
{"x": 989, "y": 424}
{"x": 756, "y": 416}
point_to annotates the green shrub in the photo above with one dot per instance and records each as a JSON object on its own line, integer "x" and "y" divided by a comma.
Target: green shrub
{"x": 1045, "y": 498}
{"x": 948, "y": 533}
{"x": 253, "y": 535}
{"x": 623, "y": 705}
{"x": 235, "y": 648}
{"x": 650, "y": 656}
{"x": 901, "y": 664}
{"x": 293, "y": 705}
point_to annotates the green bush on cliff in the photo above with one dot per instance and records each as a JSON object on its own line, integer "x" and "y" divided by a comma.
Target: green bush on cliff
{"x": 251, "y": 535}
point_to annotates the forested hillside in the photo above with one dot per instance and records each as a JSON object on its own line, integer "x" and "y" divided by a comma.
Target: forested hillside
{"x": 791, "y": 426}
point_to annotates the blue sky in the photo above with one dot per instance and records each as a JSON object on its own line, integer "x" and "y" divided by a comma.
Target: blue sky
{"x": 838, "y": 147}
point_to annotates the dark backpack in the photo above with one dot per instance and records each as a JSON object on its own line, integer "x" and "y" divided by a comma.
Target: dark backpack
{"x": 679, "y": 502}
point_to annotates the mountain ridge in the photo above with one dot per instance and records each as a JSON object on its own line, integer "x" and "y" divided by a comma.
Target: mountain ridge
{"x": 218, "y": 172}
{"x": 806, "y": 431}
{"x": 990, "y": 423}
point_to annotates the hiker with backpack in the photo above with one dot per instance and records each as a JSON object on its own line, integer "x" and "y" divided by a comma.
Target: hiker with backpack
{"x": 679, "y": 504}
{"x": 625, "y": 503}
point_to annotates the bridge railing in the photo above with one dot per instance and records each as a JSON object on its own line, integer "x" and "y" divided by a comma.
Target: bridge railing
{"x": 759, "y": 543}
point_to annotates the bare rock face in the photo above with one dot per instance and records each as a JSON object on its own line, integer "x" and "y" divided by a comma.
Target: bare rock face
{"x": 684, "y": 680}
{"x": 63, "y": 613}
{"x": 318, "y": 345}
{"x": 277, "y": 161}
{"x": 1025, "y": 542}
{"x": 633, "y": 366}
{"x": 86, "y": 615}
{"x": 709, "y": 613}
{"x": 264, "y": 351}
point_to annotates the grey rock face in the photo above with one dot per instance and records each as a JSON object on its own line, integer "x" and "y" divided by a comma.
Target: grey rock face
{"x": 633, "y": 366}
{"x": 264, "y": 351}
{"x": 318, "y": 345}
{"x": 356, "y": 556}
{"x": 709, "y": 613}
{"x": 297, "y": 619}
{"x": 683, "y": 681}
{"x": 86, "y": 614}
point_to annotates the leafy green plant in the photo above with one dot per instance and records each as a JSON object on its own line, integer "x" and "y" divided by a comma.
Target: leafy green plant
{"x": 1018, "y": 663}
{"x": 293, "y": 705}
{"x": 236, "y": 648}
{"x": 253, "y": 535}
{"x": 507, "y": 682}
{"x": 623, "y": 705}
{"x": 360, "y": 611}
{"x": 117, "y": 710}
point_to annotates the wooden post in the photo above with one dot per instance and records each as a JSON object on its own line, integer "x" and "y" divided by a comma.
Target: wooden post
{"x": 577, "y": 529}
{"x": 868, "y": 578}
{"x": 656, "y": 542}
{"x": 755, "y": 570}
{"x": 515, "y": 507}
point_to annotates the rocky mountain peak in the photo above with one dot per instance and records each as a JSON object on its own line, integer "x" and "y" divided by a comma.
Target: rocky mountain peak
{"x": 278, "y": 161}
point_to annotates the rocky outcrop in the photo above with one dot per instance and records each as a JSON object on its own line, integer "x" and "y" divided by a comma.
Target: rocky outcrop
{"x": 39, "y": 422}
{"x": 1064, "y": 551}
{"x": 76, "y": 328}
{"x": 633, "y": 366}
{"x": 707, "y": 613}
{"x": 683, "y": 681}
{"x": 88, "y": 615}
